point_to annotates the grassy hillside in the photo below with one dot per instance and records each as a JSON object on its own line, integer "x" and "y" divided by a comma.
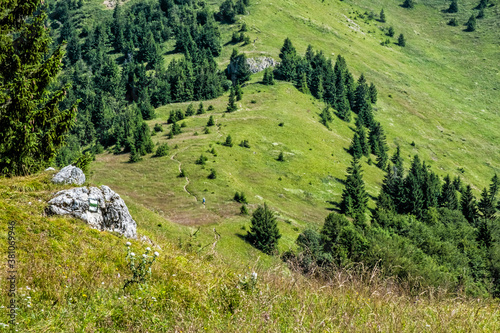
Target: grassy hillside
{"x": 70, "y": 279}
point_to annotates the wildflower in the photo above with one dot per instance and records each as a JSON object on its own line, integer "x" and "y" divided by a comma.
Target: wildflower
{"x": 128, "y": 243}
{"x": 156, "y": 254}
{"x": 144, "y": 255}
{"x": 132, "y": 254}
{"x": 103, "y": 283}
{"x": 254, "y": 275}
{"x": 148, "y": 249}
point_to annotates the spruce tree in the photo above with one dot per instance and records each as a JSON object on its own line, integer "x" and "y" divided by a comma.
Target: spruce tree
{"x": 471, "y": 23}
{"x": 264, "y": 233}
{"x": 487, "y": 203}
{"x": 32, "y": 126}
{"x": 453, "y": 7}
{"x": 268, "y": 77}
{"x": 287, "y": 68}
{"x": 354, "y": 196}
{"x": 448, "y": 197}
{"x": 355, "y": 148}
{"x": 413, "y": 189}
{"x": 401, "y": 40}
{"x": 382, "y": 16}
{"x": 231, "y": 106}
{"x": 408, "y": 4}
{"x": 211, "y": 121}
{"x": 397, "y": 160}
{"x": 469, "y": 206}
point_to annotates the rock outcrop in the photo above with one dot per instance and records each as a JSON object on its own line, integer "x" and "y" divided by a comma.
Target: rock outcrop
{"x": 101, "y": 208}
{"x": 260, "y": 63}
{"x": 69, "y": 175}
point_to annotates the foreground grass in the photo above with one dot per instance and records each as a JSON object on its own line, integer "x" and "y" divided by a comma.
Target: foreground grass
{"x": 70, "y": 278}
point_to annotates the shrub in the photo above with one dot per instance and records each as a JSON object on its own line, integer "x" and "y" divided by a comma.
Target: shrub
{"x": 201, "y": 160}
{"x": 182, "y": 174}
{"x": 213, "y": 174}
{"x": 401, "y": 40}
{"x": 211, "y": 121}
{"x": 390, "y": 32}
{"x": 244, "y": 144}
{"x": 162, "y": 150}
{"x": 243, "y": 210}
{"x": 281, "y": 157}
{"x": 190, "y": 110}
{"x": 228, "y": 142}
{"x": 210, "y": 108}
{"x": 240, "y": 197}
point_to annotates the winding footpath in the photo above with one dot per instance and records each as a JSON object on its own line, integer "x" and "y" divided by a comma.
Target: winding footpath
{"x": 180, "y": 169}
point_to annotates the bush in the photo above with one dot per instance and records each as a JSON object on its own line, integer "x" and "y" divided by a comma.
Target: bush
{"x": 453, "y": 22}
{"x": 401, "y": 40}
{"x": 201, "y": 160}
{"x": 162, "y": 150}
{"x": 210, "y": 108}
{"x": 240, "y": 197}
{"x": 390, "y": 32}
{"x": 264, "y": 233}
{"x": 211, "y": 121}
{"x": 244, "y": 144}
{"x": 190, "y": 110}
{"x": 134, "y": 156}
{"x": 281, "y": 157}
{"x": 182, "y": 174}
{"x": 228, "y": 142}
{"x": 243, "y": 210}
{"x": 213, "y": 174}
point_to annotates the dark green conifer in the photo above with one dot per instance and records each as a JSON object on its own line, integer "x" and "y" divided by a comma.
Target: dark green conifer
{"x": 448, "y": 197}
{"x": 408, "y": 4}
{"x": 401, "y": 40}
{"x": 382, "y": 16}
{"x": 238, "y": 92}
{"x": 453, "y": 7}
{"x": 231, "y": 106}
{"x": 32, "y": 128}
{"x": 264, "y": 233}
{"x": 469, "y": 206}
{"x": 355, "y": 147}
{"x": 211, "y": 121}
{"x": 354, "y": 196}
{"x": 471, "y": 23}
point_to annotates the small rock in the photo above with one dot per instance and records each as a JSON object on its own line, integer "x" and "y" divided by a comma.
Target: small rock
{"x": 111, "y": 213}
{"x": 69, "y": 175}
{"x": 50, "y": 169}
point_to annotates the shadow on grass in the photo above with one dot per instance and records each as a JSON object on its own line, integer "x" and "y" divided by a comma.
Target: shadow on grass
{"x": 335, "y": 208}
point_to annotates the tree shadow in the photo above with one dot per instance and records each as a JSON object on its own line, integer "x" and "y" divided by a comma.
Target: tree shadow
{"x": 335, "y": 208}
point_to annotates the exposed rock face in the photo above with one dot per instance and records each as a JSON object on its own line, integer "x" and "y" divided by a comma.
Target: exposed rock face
{"x": 260, "y": 63}
{"x": 69, "y": 175}
{"x": 110, "y": 212}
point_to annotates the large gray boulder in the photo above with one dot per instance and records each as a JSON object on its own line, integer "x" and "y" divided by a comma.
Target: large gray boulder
{"x": 101, "y": 208}
{"x": 69, "y": 175}
{"x": 260, "y": 63}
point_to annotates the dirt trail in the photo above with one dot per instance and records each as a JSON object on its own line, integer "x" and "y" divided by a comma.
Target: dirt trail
{"x": 180, "y": 169}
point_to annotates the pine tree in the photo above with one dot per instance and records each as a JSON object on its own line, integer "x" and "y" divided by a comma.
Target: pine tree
{"x": 355, "y": 147}
{"x": 228, "y": 142}
{"x": 268, "y": 77}
{"x": 413, "y": 192}
{"x": 382, "y": 16}
{"x": 211, "y": 121}
{"x": 32, "y": 126}
{"x": 264, "y": 233}
{"x": 354, "y": 196}
{"x": 448, "y": 197}
{"x": 231, "y": 106}
{"x": 201, "y": 109}
{"x": 227, "y": 11}
{"x": 408, "y": 4}
{"x": 487, "y": 203}
{"x": 471, "y": 23}
{"x": 469, "y": 206}
{"x": 287, "y": 68}
{"x": 453, "y": 7}
{"x": 401, "y": 40}
{"x": 390, "y": 31}
{"x": 397, "y": 160}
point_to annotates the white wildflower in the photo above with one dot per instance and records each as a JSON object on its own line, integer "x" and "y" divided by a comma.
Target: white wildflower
{"x": 156, "y": 254}
{"x": 254, "y": 275}
{"x": 148, "y": 249}
{"x": 132, "y": 254}
{"x": 144, "y": 255}
{"x": 128, "y": 243}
